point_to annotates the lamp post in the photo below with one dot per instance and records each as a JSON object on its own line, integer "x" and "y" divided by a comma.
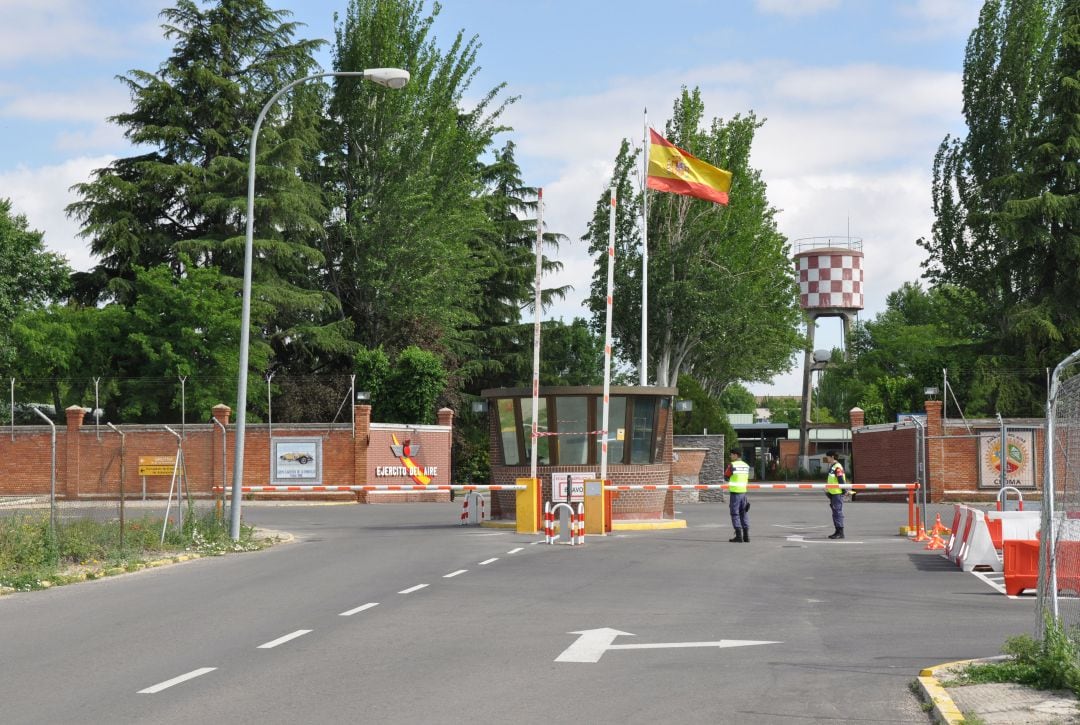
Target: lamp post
{"x": 389, "y": 77}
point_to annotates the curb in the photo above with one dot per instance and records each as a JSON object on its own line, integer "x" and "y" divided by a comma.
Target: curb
{"x": 944, "y": 708}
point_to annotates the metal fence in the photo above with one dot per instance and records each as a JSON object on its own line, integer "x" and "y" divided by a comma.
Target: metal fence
{"x": 1059, "y": 551}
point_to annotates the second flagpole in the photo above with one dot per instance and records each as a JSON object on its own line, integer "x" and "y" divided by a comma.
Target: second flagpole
{"x": 644, "y": 373}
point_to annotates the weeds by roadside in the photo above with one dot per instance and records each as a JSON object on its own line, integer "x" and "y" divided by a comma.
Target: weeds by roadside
{"x": 1050, "y": 664}
{"x": 35, "y": 556}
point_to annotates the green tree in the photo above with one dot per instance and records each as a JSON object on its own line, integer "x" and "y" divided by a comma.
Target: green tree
{"x": 723, "y": 301}
{"x": 995, "y": 200}
{"x": 185, "y": 196}
{"x": 737, "y": 399}
{"x": 404, "y": 182}
{"x": 414, "y": 386}
{"x": 706, "y": 415}
{"x": 30, "y": 277}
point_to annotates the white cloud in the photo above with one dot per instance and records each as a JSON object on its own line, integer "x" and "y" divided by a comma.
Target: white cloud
{"x": 93, "y": 104}
{"x": 795, "y": 8}
{"x": 57, "y": 30}
{"x": 41, "y": 195}
{"x": 942, "y": 18}
{"x": 840, "y": 142}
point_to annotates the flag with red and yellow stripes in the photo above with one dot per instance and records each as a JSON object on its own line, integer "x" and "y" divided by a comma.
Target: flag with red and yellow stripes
{"x": 677, "y": 171}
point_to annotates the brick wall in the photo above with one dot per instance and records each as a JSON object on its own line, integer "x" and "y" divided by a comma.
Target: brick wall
{"x": 89, "y": 460}
{"x": 886, "y": 454}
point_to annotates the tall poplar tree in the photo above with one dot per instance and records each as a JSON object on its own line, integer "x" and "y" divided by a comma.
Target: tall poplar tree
{"x": 723, "y": 301}
{"x": 993, "y": 232}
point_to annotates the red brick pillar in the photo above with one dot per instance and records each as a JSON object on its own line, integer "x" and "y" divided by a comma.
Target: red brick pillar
{"x": 221, "y": 413}
{"x": 360, "y": 446}
{"x": 935, "y": 460}
{"x": 445, "y": 416}
{"x": 75, "y": 415}
{"x": 857, "y": 417}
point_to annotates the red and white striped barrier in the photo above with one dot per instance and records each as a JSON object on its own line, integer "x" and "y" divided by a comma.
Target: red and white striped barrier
{"x": 766, "y": 487}
{"x": 576, "y": 533}
{"x": 372, "y": 487}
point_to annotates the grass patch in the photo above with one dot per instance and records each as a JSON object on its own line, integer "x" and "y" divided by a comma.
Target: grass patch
{"x": 35, "y": 556}
{"x": 1050, "y": 664}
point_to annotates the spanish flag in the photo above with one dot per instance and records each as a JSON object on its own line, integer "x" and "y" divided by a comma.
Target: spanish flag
{"x": 679, "y": 172}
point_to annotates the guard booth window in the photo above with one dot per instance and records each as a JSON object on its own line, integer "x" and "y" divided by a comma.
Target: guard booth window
{"x": 508, "y": 432}
{"x": 572, "y": 414}
{"x": 616, "y": 428}
{"x": 543, "y": 449}
{"x": 644, "y": 417}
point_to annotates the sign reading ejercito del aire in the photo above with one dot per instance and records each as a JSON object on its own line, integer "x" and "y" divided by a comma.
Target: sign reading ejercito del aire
{"x": 156, "y": 465}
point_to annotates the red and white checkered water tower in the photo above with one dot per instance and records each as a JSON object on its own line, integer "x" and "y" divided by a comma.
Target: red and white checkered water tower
{"x": 830, "y": 273}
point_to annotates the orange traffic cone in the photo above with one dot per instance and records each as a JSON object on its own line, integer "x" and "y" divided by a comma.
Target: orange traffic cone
{"x": 936, "y": 542}
{"x": 939, "y": 528}
{"x": 922, "y": 536}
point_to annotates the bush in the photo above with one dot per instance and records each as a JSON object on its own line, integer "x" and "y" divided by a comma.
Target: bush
{"x": 1050, "y": 664}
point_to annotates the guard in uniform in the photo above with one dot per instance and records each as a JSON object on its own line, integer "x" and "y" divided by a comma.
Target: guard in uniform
{"x": 738, "y": 476}
{"x": 835, "y": 493}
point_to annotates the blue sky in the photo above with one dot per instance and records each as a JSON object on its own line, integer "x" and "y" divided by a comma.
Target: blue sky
{"x": 857, "y": 93}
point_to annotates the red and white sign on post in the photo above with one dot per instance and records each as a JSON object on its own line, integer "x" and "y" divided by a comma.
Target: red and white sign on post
{"x": 577, "y": 486}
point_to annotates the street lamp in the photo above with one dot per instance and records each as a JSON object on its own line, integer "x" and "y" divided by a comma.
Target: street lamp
{"x": 389, "y": 77}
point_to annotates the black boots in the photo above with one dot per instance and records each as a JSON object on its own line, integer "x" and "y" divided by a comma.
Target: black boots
{"x": 738, "y": 536}
{"x": 746, "y": 535}
{"x": 838, "y": 534}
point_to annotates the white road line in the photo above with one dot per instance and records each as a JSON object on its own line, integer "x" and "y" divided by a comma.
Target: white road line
{"x": 994, "y": 581}
{"x": 410, "y": 590}
{"x": 514, "y": 551}
{"x": 534, "y": 543}
{"x": 453, "y": 574}
{"x": 282, "y": 640}
{"x": 485, "y": 562}
{"x": 361, "y": 608}
{"x": 176, "y": 681}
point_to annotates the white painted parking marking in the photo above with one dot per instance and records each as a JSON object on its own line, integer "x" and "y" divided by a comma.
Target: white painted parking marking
{"x": 514, "y": 551}
{"x": 453, "y": 574}
{"x": 282, "y": 640}
{"x": 176, "y": 681}
{"x": 996, "y": 580}
{"x": 361, "y": 608}
{"x": 410, "y": 590}
{"x": 485, "y": 562}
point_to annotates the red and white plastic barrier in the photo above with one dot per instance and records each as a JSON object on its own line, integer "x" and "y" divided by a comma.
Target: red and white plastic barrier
{"x": 765, "y": 487}
{"x": 473, "y": 509}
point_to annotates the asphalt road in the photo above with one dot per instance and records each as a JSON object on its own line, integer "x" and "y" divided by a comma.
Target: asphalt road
{"x": 284, "y": 636}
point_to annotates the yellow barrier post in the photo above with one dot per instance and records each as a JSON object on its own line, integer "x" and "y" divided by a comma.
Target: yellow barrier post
{"x": 528, "y": 506}
{"x": 594, "y": 507}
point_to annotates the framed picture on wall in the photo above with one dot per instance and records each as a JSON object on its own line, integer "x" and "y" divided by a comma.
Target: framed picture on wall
{"x": 296, "y": 461}
{"x": 1018, "y": 459}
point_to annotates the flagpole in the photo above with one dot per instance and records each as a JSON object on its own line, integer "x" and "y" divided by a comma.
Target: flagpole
{"x": 607, "y": 335}
{"x": 536, "y": 331}
{"x": 645, "y": 257}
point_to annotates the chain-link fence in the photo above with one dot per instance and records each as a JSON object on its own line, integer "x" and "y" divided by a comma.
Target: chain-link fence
{"x": 1059, "y": 551}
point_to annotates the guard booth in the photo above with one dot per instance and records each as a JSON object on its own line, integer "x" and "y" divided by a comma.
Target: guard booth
{"x": 569, "y": 423}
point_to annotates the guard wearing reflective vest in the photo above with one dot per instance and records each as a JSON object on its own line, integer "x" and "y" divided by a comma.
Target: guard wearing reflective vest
{"x": 738, "y": 476}
{"x": 835, "y": 493}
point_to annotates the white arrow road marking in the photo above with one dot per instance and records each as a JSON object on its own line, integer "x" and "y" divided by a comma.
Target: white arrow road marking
{"x": 282, "y": 640}
{"x": 359, "y": 609}
{"x": 592, "y": 644}
{"x": 176, "y": 681}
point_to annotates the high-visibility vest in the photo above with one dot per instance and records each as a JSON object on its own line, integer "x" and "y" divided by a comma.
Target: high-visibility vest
{"x": 832, "y": 485}
{"x": 740, "y": 476}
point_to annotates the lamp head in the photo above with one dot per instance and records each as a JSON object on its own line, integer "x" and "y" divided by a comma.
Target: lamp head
{"x": 389, "y": 77}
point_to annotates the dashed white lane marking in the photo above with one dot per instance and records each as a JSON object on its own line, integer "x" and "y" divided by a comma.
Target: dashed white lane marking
{"x": 485, "y": 562}
{"x": 514, "y": 551}
{"x": 454, "y": 573}
{"x": 361, "y": 608}
{"x": 410, "y": 590}
{"x": 282, "y": 640}
{"x": 534, "y": 543}
{"x": 176, "y": 681}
